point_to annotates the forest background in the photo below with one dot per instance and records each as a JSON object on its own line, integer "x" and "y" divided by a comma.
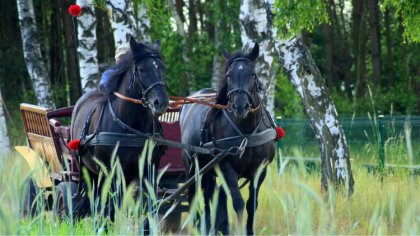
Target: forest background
{"x": 363, "y": 49}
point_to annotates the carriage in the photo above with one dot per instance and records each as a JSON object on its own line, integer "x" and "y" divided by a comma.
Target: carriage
{"x": 56, "y": 166}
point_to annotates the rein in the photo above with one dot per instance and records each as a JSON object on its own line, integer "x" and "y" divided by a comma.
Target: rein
{"x": 179, "y": 101}
{"x": 133, "y": 100}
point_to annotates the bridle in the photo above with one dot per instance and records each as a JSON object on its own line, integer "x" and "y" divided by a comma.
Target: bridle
{"x": 137, "y": 83}
{"x": 241, "y": 90}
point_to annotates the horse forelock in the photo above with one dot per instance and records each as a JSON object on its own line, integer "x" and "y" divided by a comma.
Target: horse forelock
{"x": 146, "y": 51}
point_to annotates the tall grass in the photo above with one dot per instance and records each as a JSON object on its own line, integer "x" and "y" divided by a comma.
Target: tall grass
{"x": 290, "y": 203}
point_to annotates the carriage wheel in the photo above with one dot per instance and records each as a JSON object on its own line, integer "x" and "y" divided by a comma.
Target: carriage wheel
{"x": 173, "y": 223}
{"x": 66, "y": 192}
{"x": 30, "y": 205}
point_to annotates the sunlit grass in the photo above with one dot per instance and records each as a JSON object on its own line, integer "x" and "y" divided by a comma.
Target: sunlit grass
{"x": 290, "y": 203}
{"x": 375, "y": 208}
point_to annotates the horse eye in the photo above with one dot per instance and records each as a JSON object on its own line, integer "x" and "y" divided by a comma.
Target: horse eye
{"x": 254, "y": 76}
{"x": 141, "y": 70}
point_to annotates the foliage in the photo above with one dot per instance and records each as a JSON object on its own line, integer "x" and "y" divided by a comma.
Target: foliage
{"x": 200, "y": 48}
{"x": 409, "y": 11}
{"x": 287, "y": 99}
{"x": 292, "y": 16}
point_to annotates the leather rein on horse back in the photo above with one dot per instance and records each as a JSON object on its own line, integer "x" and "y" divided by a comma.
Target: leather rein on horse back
{"x": 179, "y": 101}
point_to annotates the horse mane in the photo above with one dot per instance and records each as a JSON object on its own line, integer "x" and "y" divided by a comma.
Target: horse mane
{"x": 221, "y": 97}
{"x": 126, "y": 62}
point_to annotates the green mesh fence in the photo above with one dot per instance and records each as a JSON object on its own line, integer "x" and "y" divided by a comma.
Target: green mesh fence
{"x": 370, "y": 139}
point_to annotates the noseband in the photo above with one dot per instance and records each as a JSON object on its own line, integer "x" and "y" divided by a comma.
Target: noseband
{"x": 241, "y": 90}
{"x": 136, "y": 82}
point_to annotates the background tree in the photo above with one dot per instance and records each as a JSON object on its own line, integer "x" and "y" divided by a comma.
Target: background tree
{"x": 87, "y": 46}
{"x": 4, "y": 137}
{"x": 256, "y": 26}
{"x": 302, "y": 71}
{"x": 123, "y": 22}
{"x": 341, "y": 47}
{"x": 32, "y": 53}
{"x": 71, "y": 65}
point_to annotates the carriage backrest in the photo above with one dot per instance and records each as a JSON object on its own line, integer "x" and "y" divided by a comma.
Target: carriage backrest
{"x": 172, "y": 131}
{"x": 40, "y": 134}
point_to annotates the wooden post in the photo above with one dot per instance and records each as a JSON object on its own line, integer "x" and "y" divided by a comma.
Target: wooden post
{"x": 381, "y": 130}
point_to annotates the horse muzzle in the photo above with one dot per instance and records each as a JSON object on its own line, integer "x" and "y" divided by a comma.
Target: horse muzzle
{"x": 240, "y": 109}
{"x": 158, "y": 105}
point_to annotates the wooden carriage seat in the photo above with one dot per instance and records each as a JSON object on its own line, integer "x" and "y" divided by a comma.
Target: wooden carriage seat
{"x": 40, "y": 134}
{"x": 172, "y": 131}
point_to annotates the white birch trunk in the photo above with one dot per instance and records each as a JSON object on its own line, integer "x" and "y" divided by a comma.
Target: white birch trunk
{"x": 307, "y": 79}
{"x": 4, "y": 137}
{"x": 124, "y": 22}
{"x": 217, "y": 62}
{"x": 143, "y": 23}
{"x": 32, "y": 54}
{"x": 216, "y": 73}
{"x": 87, "y": 47}
{"x": 256, "y": 19}
{"x": 257, "y": 25}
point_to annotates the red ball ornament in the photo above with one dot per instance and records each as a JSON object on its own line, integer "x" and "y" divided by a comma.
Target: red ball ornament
{"x": 74, "y": 144}
{"x": 75, "y": 10}
{"x": 280, "y": 133}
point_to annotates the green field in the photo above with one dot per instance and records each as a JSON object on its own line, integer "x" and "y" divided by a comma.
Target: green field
{"x": 290, "y": 203}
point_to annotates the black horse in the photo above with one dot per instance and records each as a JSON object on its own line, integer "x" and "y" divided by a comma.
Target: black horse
{"x": 127, "y": 114}
{"x": 245, "y": 117}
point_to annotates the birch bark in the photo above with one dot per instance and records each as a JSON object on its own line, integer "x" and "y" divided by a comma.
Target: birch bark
{"x": 87, "y": 48}
{"x": 124, "y": 23}
{"x": 305, "y": 76}
{"x": 32, "y": 54}
{"x": 256, "y": 25}
{"x": 217, "y": 59}
{"x": 143, "y": 23}
{"x": 4, "y": 137}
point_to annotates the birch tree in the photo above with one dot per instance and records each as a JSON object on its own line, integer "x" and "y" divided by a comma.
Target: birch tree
{"x": 32, "y": 54}
{"x": 143, "y": 22}
{"x": 87, "y": 48}
{"x": 4, "y": 137}
{"x": 256, "y": 20}
{"x": 124, "y": 23}
{"x": 302, "y": 71}
{"x": 217, "y": 63}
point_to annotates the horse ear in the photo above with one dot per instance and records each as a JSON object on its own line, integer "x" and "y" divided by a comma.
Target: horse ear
{"x": 255, "y": 51}
{"x": 226, "y": 54}
{"x": 156, "y": 45}
{"x": 133, "y": 43}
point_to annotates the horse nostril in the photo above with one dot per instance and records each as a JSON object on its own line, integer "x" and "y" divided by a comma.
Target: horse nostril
{"x": 156, "y": 103}
{"x": 246, "y": 106}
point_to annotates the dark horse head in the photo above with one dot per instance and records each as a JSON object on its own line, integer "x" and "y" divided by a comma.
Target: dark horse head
{"x": 146, "y": 81}
{"x": 240, "y": 86}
